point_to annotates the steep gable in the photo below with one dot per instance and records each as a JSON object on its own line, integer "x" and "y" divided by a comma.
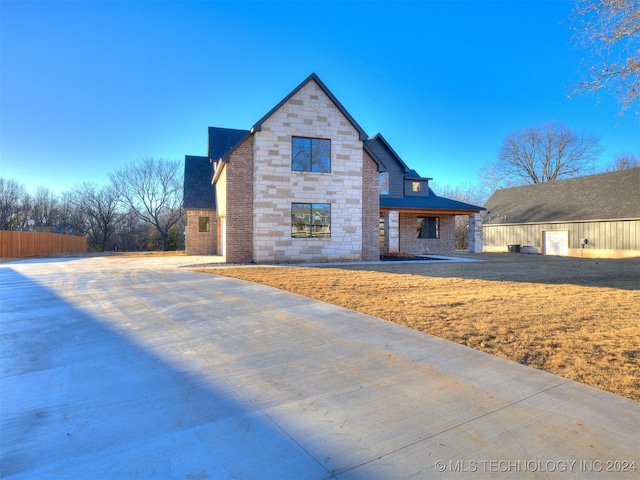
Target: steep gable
{"x": 613, "y": 195}
{"x": 313, "y": 77}
{"x": 198, "y": 192}
{"x": 385, "y": 156}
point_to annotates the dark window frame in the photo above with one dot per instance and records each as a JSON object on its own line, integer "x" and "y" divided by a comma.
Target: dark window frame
{"x": 202, "y": 221}
{"x": 315, "y": 163}
{"x": 383, "y": 185}
{"x": 428, "y": 227}
{"x": 310, "y": 223}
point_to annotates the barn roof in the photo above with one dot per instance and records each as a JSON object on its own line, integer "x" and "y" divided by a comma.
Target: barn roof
{"x": 606, "y": 196}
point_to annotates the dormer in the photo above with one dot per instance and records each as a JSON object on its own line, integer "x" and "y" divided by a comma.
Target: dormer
{"x": 397, "y": 180}
{"x": 415, "y": 185}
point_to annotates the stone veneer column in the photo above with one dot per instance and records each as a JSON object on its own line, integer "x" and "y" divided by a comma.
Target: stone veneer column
{"x": 475, "y": 233}
{"x": 392, "y": 226}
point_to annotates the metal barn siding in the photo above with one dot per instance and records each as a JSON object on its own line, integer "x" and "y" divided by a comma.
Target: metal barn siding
{"x": 606, "y": 239}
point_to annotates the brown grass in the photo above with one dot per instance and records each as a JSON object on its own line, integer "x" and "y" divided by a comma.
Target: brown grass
{"x": 578, "y": 318}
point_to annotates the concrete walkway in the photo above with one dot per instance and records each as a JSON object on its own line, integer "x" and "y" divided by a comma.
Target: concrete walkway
{"x": 135, "y": 368}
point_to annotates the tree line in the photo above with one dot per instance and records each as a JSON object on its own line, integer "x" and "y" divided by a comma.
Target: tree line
{"x": 139, "y": 209}
{"x": 543, "y": 153}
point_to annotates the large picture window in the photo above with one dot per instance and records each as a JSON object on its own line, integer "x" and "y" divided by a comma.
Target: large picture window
{"x": 310, "y": 220}
{"x": 428, "y": 227}
{"x": 310, "y": 155}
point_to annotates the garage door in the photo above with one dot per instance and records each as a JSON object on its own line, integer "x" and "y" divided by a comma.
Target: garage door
{"x": 556, "y": 242}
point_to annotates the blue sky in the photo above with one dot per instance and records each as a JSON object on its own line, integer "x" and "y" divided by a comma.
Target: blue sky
{"x": 87, "y": 87}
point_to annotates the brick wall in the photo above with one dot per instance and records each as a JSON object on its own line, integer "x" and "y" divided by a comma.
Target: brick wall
{"x": 370, "y": 209}
{"x": 409, "y": 243}
{"x": 201, "y": 243}
{"x": 239, "y": 201}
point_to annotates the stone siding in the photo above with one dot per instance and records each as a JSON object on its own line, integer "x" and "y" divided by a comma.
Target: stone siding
{"x": 309, "y": 113}
{"x": 475, "y": 233}
{"x": 201, "y": 243}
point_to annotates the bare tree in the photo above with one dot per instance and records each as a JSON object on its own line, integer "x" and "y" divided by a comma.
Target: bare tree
{"x": 98, "y": 208}
{"x": 44, "y": 206}
{"x": 492, "y": 179}
{"x": 610, "y": 31}
{"x": 473, "y": 194}
{"x": 623, "y": 161}
{"x": 70, "y": 219}
{"x": 545, "y": 153}
{"x": 11, "y": 194}
{"x": 153, "y": 190}
{"x": 23, "y": 215}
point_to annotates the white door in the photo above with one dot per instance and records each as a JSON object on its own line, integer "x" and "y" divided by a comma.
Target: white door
{"x": 556, "y": 242}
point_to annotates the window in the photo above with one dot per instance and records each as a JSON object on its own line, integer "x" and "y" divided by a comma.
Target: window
{"x": 310, "y": 220}
{"x": 203, "y": 224}
{"x": 384, "y": 183}
{"x": 428, "y": 227}
{"x": 310, "y": 155}
{"x": 416, "y": 186}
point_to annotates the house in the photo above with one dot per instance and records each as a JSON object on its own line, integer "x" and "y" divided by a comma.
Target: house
{"x": 306, "y": 183}
{"x": 591, "y": 216}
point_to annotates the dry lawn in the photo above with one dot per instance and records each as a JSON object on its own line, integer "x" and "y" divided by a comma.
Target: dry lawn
{"x": 578, "y": 318}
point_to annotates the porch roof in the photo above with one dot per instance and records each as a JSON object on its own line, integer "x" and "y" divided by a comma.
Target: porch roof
{"x": 430, "y": 204}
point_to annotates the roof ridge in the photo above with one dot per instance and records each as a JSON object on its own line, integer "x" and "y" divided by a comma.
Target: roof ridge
{"x": 258, "y": 125}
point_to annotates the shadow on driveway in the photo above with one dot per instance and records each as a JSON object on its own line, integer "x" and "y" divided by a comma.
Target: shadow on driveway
{"x": 122, "y": 397}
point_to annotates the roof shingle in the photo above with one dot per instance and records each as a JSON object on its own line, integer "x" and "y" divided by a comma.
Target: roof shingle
{"x": 431, "y": 202}
{"x": 606, "y": 196}
{"x": 221, "y": 140}
{"x": 198, "y": 191}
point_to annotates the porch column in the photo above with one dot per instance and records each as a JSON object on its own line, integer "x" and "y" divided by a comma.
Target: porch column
{"x": 392, "y": 226}
{"x": 475, "y": 233}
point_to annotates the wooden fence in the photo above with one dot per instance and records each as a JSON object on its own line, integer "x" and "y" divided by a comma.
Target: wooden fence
{"x": 33, "y": 244}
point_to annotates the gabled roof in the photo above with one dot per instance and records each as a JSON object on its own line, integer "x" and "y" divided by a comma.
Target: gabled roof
{"x": 313, "y": 77}
{"x": 224, "y": 140}
{"x": 382, "y": 153}
{"x": 428, "y": 203}
{"x": 607, "y": 196}
{"x": 198, "y": 191}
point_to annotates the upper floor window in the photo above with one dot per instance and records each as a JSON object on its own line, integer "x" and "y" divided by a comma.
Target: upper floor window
{"x": 310, "y": 155}
{"x": 416, "y": 187}
{"x": 384, "y": 183}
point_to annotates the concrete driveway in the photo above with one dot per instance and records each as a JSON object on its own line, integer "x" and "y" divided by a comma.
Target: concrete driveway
{"x": 136, "y": 368}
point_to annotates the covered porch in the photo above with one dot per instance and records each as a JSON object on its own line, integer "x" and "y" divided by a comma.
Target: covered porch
{"x": 426, "y": 231}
